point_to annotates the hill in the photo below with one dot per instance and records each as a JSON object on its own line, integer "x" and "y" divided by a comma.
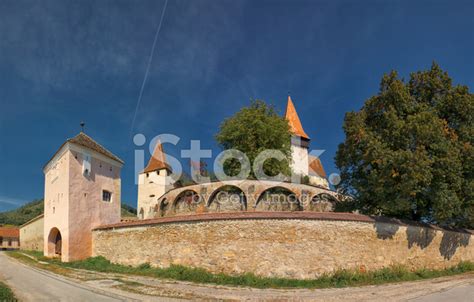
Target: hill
{"x": 34, "y": 208}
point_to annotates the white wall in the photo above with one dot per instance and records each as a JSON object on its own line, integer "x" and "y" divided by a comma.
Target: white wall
{"x": 300, "y": 160}
{"x": 151, "y": 186}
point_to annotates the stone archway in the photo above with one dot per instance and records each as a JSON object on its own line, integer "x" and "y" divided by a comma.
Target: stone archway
{"x": 163, "y": 207}
{"x": 227, "y": 198}
{"x": 188, "y": 202}
{"x": 278, "y": 198}
{"x": 322, "y": 202}
{"x": 55, "y": 243}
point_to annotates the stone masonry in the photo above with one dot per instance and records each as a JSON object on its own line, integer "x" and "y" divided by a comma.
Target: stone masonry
{"x": 275, "y": 244}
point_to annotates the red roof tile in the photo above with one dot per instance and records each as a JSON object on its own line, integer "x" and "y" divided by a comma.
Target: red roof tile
{"x": 8, "y": 232}
{"x": 315, "y": 166}
{"x": 293, "y": 120}
{"x": 84, "y": 140}
{"x": 158, "y": 160}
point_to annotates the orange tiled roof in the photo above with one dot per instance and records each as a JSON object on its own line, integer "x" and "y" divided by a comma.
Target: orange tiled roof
{"x": 294, "y": 121}
{"x": 84, "y": 140}
{"x": 9, "y": 232}
{"x": 158, "y": 160}
{"x": 315, "y": 166}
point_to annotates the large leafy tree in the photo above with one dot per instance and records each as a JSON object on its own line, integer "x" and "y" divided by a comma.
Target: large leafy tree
{"x": 254, "y": 129}
{"x": 409, "y": 152}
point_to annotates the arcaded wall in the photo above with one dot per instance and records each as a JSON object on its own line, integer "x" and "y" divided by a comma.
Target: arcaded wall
{"x": 293, "y": 245}
{"x": 32, "y": 235}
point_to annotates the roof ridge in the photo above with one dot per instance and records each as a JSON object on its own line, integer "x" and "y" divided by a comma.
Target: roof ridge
{"x": 104, "y": 150}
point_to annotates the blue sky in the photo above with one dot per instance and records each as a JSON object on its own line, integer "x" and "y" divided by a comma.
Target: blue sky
{"x": 66, "y": 61}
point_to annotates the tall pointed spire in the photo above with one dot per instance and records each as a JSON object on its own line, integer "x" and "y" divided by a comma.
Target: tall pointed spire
{"x": 293, "y": 119}
{"x": 158, "y": 160}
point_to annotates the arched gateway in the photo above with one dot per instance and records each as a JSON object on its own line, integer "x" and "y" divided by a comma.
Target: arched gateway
{"x": 55, "y": 242}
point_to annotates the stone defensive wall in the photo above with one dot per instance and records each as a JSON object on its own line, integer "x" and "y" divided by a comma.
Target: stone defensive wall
{"x": 282, "y": 244}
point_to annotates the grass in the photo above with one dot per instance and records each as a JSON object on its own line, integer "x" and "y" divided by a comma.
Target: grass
{"x": 6, "y": 293}
{"x": 341, "y": 278}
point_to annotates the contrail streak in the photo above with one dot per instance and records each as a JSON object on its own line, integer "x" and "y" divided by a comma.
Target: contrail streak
{"x": 150, "y": 59}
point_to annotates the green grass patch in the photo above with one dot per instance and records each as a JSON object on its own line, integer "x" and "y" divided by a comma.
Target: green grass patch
{"x": 341, "y": 278}
{"x": 6, "y": 293}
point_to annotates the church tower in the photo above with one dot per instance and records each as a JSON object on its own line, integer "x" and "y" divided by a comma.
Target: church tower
{"x": 303, "y": 163}
{"x": 82, "y": 191}
{"x": 299, "y": 140}
{"x": 153, "y": 182}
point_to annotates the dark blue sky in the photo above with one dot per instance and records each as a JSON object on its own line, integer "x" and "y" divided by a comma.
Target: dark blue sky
{"x": 66, "y": 61}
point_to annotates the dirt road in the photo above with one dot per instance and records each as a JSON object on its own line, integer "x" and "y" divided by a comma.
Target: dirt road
{"x": 33, "y": 284}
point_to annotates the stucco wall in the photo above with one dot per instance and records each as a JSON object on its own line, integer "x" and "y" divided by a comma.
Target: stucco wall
{"x": 299, "y": 157}
{"x": 294, "y": 245}
{"x": 86, "y": 207}
{"x": 56, "y": 201}
{"x": 151, "y": 186}
{"x": 73, "y": 201}
{"x": 32, "y": 234}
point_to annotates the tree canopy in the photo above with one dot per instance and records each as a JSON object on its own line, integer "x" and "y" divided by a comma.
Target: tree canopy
{"x": 409, "y": 153}
{"x": 254, "y": 129}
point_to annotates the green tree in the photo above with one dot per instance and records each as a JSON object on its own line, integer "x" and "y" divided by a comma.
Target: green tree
{"x": 254, "y": 129}
{"x": 409, "y": 151}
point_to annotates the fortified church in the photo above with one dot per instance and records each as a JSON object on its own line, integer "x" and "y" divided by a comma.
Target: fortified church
{"x": 82, "y": 190}
{"x": 152, "y": 185}
{"x": 250, "y": 230}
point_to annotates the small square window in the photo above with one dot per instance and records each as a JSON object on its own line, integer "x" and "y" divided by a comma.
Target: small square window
{"x": 106, "y": 196}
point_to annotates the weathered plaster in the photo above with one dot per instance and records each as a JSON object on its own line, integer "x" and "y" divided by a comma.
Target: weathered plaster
{"x": 73, "y": 201}
{"x": 32, "y": 235}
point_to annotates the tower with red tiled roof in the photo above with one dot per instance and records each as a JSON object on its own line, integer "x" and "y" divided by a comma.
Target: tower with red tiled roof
{"x": 153, "y": 182}
{"x": 303, "y": 163}
{"x": 82, "y": 191}
{"x": 299, "y": 140}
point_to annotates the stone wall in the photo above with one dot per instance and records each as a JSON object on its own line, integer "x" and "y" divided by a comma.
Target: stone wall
{"x": 293, "y": 245}
{"x": 32, "y": 234}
